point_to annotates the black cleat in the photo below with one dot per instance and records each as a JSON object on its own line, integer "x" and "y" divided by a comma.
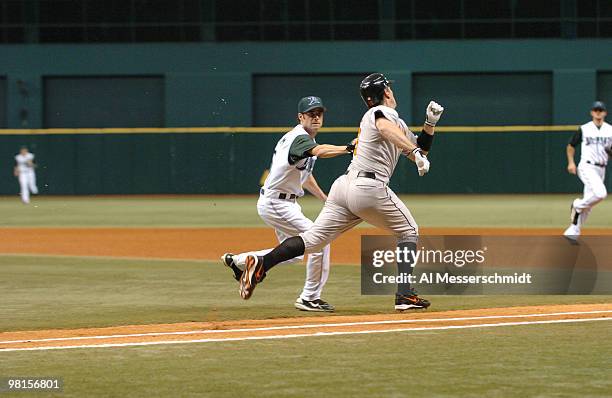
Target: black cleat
{"x": 228, "y": 260}
{"x": 317, "y": 305}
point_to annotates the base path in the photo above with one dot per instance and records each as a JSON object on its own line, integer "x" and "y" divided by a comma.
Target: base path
{"x": 199, "y": 243}
{"x": 214, "y": 332}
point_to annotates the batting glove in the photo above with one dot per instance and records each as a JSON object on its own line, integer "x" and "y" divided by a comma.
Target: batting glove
{"x": 433, "y": 113}
{"x": 421, "y": 161}
{"x": 350, "y": 147}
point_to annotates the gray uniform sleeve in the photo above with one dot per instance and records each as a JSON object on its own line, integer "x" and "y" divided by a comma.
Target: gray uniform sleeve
{"x": 300, "y": 147}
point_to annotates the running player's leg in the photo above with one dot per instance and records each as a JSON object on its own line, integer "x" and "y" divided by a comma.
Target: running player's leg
{"x": 594, "y": 187}
{"x": 317, "y": 272}
{"x": 378, "y": 205}
{"x": 23, "y": 185}
{"x": 32, "y": 183}
{"x": 594, "y": 191}
{"x": 286, "y": 218}
{"x": 318, "y": 263}
{"x": 334, "y": 219}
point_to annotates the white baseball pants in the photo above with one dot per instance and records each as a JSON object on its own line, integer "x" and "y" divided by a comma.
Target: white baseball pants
{"x": 592, "y": 177}
{"x": 287, "y": 219}
{"x": 27, "y": 184}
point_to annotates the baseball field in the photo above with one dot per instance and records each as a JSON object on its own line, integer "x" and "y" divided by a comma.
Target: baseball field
{"x": 126, "y": 296}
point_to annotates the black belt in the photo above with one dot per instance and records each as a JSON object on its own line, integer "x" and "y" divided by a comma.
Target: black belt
{"x": 596, "y": 164}
{"x": 365, "y": 174}
{"x": 286, "y": 196}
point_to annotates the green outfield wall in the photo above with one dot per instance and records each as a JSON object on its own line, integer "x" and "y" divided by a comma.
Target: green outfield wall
{"x": 233, "y": 162}
{"x": 481, "y": 82}
{"x": 246, "y": 84}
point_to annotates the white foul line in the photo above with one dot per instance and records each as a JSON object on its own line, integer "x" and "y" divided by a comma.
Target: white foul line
{"x": 307, "y": 326}
{"x": 288, "y": 336}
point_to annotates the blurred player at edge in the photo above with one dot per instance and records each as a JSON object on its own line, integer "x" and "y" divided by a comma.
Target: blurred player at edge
{"x": 24, "y": 171}
{"x": 595, "y": 139}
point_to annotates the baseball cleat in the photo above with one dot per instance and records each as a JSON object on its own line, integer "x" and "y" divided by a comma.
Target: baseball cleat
{"x": 572, "y": 232}
{"x": 317, "y": 305}
{"x": 228, "y": 260}
{"x": 403, "y": 303}
{"x": 253, "y": 274}
{"x": 574, "y": 214}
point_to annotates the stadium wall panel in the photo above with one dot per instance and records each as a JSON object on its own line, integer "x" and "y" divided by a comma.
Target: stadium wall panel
{"x": 233, "y": 163}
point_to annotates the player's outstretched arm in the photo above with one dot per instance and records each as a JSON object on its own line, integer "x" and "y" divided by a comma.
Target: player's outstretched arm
{"x": 390, "y": 132}
{"x": 396, "y": 136}
{"x": 329, "y": 151}
{"x": 312, "y": 186}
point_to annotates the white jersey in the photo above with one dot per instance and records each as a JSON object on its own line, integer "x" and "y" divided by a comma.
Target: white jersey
{"x": 286, "y": 175}
{"x": 594, "y": 142}
{"x": 24, "y": 162}
{"x": 374, "y": 153}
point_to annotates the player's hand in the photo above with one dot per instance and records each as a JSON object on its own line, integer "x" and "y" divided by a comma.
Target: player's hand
{"x": 350, "y": 147}
{"x": 571, "y": 168}
{"x": 609, "y": 151}
{"x": 433, "y": 113}
{"x": 421, "y": 161}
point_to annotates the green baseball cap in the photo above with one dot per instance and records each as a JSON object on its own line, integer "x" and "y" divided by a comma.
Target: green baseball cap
{"x": 309, "y": 103}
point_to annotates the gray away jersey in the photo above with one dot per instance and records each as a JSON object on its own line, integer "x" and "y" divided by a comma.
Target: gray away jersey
{"x": 373, "y": 152}
{"x": 291, "y": 164}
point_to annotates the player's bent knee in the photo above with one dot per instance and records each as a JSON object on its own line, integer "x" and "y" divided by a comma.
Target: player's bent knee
{"x": 411, "y": 236}
{"x": 600, "y": 194}
{"x": 312, "y": 243}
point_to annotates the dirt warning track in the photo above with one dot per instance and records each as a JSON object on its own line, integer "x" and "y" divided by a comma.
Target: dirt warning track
{"x": 199, "y": 243}
{"x": 209, "y": 332}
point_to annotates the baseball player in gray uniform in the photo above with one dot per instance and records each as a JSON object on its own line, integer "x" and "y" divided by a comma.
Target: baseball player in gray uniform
{"x": 595, "y": 139}
{"x": 362, "y": 193}
{"x": 24, "y": 171}
{"x": 291, "y": 171}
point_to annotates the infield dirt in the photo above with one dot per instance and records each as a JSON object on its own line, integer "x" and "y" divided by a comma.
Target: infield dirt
{"x": 293, "y": 327}
{"x": 199, "y": 243}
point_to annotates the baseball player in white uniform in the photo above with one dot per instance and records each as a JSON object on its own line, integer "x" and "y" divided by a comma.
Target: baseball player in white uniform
{"x": 362, "y": 193}
{"x": 24, "y": 171}
{"x": 290, "y": 172}
{"x": 595, "y": 139}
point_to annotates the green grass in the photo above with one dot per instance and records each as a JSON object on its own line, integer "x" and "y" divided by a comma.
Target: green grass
{"x": 69, "y": 292}
{"x": 43, "y": 292}
{"x": 568, "y": 360}
{"x": 525, "y": 211}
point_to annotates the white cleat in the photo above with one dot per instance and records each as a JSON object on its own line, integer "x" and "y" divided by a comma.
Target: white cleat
{"x": 572, "y": 232}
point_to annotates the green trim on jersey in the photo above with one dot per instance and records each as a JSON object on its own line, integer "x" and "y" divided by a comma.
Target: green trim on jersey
{"x": 300, "y": 148}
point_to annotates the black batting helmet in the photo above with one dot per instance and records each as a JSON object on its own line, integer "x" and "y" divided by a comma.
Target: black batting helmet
{"x": 372, "y": 89}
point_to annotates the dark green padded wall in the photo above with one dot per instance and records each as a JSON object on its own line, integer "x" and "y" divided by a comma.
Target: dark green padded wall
{"x": 489, "y": 99}
{"x": 98, "y": 101}
{"x": 3, "y": 102}
{"x": 604, "y": 88}
{"x": 275, "y": 98}
{"x": 493, "y": 162}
